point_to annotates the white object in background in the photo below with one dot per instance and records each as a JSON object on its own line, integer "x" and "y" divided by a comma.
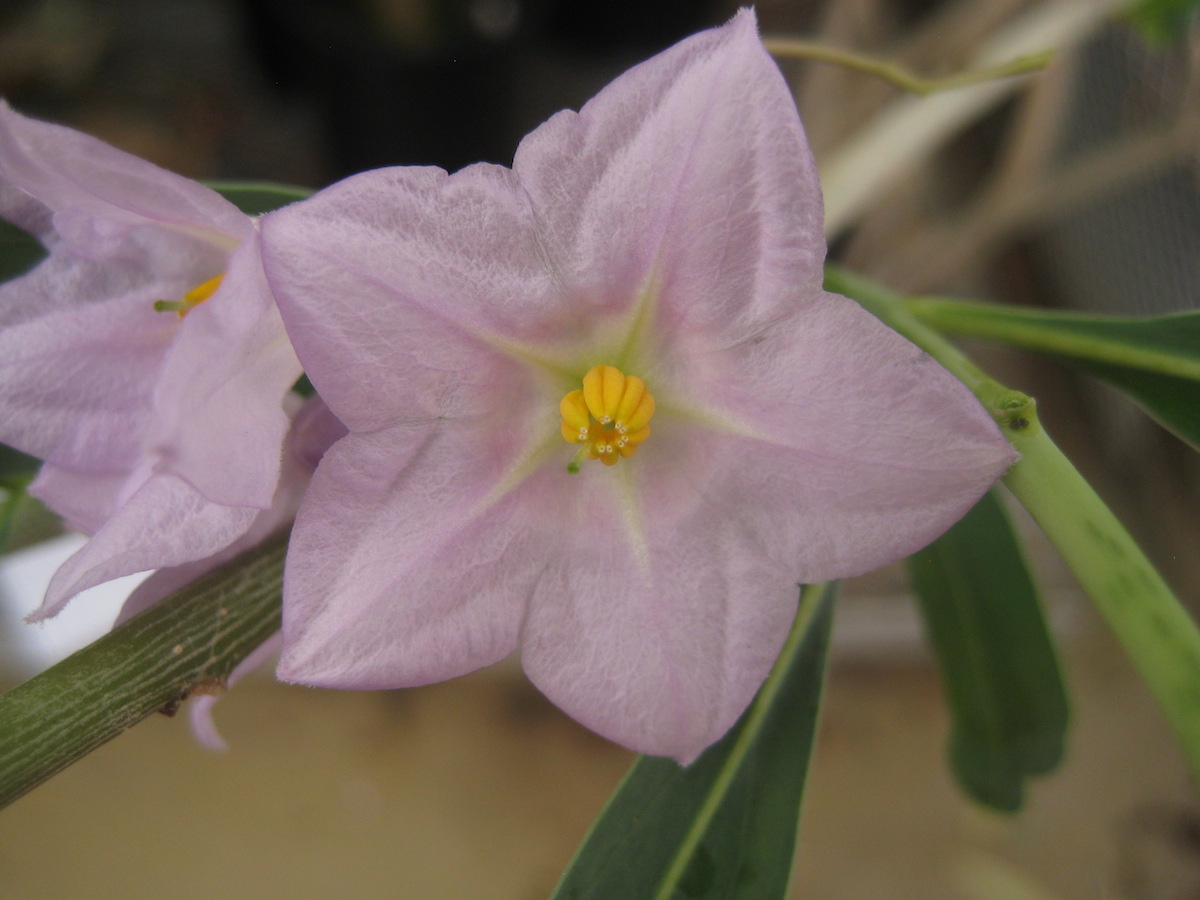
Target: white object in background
{"x": 28, "y": 649}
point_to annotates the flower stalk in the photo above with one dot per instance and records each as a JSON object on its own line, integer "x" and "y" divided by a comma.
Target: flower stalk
{"x": 187, "y": 644}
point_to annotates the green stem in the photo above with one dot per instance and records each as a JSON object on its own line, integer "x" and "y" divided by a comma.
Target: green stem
{"x": 186, "y": 644}
{"x": 794, "y": 48}
{"x": 1158, "y": 634}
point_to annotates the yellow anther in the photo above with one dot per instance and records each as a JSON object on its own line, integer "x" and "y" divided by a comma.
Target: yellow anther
{"x": 192, "y": 298}
{"x": 609, "y": 418}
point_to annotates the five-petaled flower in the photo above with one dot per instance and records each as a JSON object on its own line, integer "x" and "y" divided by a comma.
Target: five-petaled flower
{"x": 497, "y": 340}
{"x": 143, "y": 359}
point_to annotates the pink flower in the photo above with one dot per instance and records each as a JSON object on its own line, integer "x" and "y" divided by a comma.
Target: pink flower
{"x": 671, "y": 233}
{"x": 313, "y": 430}
{"x": 161, "y": 431}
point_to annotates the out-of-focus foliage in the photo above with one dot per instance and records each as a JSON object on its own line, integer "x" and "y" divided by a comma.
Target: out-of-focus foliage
{"x": 1164, "y": 20}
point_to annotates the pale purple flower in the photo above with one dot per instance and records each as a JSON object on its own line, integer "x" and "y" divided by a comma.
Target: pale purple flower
{"x": 313, "y": 430}
{"x": 670, "y": 230}
{"x": 161, "y": 432}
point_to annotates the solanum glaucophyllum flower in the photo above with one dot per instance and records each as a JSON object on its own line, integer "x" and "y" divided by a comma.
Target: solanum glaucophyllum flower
{"x": 161, "y": 430}
{"x": 665, "y": 242}
{"x": 313, "y": 430}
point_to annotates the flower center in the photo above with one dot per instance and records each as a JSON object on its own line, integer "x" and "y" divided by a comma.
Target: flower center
{"x": 609, "y": 418}
{"x": 194, "y": 297}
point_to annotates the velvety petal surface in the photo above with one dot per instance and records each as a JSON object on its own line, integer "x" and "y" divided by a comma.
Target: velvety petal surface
{"x": 420, "y": 274}
{"x": 98, "y": 192}
{"x": 314, "y": 429}
{"x": 218, "y": 417}
{"x": 671, "y": 226}
{"x": 660, "y": 643}
{"x": 689, "y": 172}
{"x": 161, "y": 433}
{"x": 852, "y": 446}
{"x": 400, "y": 569}
{"x": 84, "y": 499}
{"x": 162, "y": 523}
{"x": 76, "y": 386}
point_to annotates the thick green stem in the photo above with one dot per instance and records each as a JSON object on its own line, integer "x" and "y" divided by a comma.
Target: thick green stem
{"x": 1156, "y": 631}
{"x": 188, "y": 643}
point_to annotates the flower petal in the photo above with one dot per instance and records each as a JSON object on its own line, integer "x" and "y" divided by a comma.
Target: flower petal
{"x": 218, "y": 415}
{"x": 98, "y": 192}
{"x": 418, "y": 273}
{"x": 663, "y": 654}
{"x": 76, "y": 385}
{"x": 399, "y": 571}
{"x": 689, "y": 172}
{"x": 83, "y": 499}
{"x": 314, "y": 430}
{"x": 164, "y": 522}
{"x": 852, "y": 446}
{"x": 200, "y": 711}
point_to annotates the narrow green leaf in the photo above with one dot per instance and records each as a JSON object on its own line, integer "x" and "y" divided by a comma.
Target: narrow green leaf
{"x": 19, "y": 251}
{"x": 189, "y": 642}
{"x": 999, "y": 668}
{"x": 725, "y": 826}
{"x": 1172, "y": 402}
{"x": 1155, "y": 359}
{"x": 1169, "y": 345}
{"x": 257, "y": 197}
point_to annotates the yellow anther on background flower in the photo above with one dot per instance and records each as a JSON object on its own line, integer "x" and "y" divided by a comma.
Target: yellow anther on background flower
{"x": 194, "y": 297}
{"x": 610, "y": 417}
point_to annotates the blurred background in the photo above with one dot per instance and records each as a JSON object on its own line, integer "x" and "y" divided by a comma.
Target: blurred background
{"x": 1074, "y": 189}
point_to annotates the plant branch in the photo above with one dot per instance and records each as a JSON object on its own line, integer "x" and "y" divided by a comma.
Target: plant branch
{"x": 188, "y": 643}
{"x": 897, "y": 75}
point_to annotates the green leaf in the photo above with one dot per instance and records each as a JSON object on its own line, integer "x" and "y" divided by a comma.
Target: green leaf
{"x": 725, "y": 826}
{"x": 19, "y": 251}
{"x": 1155, "y": 360}
{"x": 188, "y": 642}
{"x": 1172, "y": 402}
{"x": 1161, "y": 21}
{"x": 257, "y": 197}
{"x": 999, "y": 668}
